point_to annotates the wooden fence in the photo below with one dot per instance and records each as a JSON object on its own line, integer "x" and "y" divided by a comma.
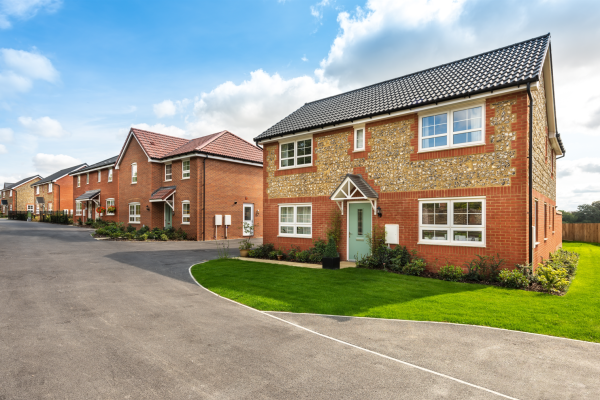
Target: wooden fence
{"x": 589, "y": 233}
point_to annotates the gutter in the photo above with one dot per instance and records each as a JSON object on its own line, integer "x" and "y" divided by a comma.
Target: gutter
{"x": 530, "y": 157}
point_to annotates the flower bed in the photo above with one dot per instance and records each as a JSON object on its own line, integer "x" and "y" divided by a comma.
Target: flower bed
{"x": 118, "y": 231}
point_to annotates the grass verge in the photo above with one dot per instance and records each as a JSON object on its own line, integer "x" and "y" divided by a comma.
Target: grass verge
{"x": 370, "y": 293}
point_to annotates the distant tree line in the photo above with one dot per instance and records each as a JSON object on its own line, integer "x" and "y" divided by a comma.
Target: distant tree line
{"x": 585, "y": 213}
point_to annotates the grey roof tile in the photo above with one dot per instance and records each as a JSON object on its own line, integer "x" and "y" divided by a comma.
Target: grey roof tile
{"x": 105, "y": 163}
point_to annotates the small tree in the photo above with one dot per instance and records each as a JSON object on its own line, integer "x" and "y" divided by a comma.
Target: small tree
{"x": 335, "y": 226}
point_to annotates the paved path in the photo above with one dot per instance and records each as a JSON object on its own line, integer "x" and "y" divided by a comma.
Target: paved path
{"x": 86, "y": 319}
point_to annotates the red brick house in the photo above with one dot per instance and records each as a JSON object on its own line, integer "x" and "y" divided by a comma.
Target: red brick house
{"x": 93, "y": 187}
{"x": 55, "y": 192}
{"x": 208, "y": 186}
{"x": 18, "y": 196}
{"x": 439, "y": 157}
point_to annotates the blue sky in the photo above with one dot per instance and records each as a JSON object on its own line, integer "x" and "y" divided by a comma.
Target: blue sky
{"x": 76, "y": 75}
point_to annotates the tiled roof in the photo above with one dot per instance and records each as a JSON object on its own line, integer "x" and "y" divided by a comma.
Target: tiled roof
{"x": 224, "y": 144}
{"x": 22, "y": 181}
{"x": 163, "y": 193}
{"x": 360, "y": 184}
{"x": 90, "y": 194}
{"x": 157, "y": 145}
{"x": 508, "y": 66}
{"x": 58, "y": 174}
{"x": 106, "y": 163}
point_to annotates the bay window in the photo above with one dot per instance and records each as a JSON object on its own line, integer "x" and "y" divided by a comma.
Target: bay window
{"x": 455, "y": 222}
{"x": 296, "y": 154}
{"x": 453, "y": 128}
{"x": 134, "y": 213}
{"x": 295, "y": 220}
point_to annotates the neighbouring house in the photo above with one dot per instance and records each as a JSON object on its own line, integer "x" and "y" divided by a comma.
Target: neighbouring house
{"x": 55, "y": 192}
{"x": 209, "y": 186}
{"x": 440, "y": 158}
{"x": 18, "y": 196}
{"x": 96, "y": 186}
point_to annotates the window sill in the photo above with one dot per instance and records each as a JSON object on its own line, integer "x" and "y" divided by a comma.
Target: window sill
{"x": 295, "y": 167}
{"x": 110, "y": 215}
{"x": 183, "y": 179}
{"x": 168, "y": 180}
{"x": 429, "y": 150}
{"x": 296, "y": 236}
{"x": 134, "y": 183}
{"x": 185, "y": 223}
{"x": 135, "y": 223}
{"x": 359, "y": 150}
{"x": 545, "y": 239}
{"x": 456, "y": 244}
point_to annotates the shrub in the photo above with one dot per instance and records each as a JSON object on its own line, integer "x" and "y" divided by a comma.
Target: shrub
{"x": 335, "y": 226}
{"x": 142, "y": 230}
{"x": 565, "y": 259}
{"x": 484, "y": 267}
{"x": 399, "y": 258}
{"x": 331, "y": 249}
{"x": 319, "y": 247}
{"x": 129, "y": 235}
{"x": 272, "y": 255}
{"x": 513, "y": 279}
{"x": 263, "y": 250}
{"x": 89, "y": 222}
{"x": 143, "y": 237}
{"x": 527, "y": 271}
{"x": 151, "y": 235}
{"x": 303, "y": 256}
{"x": 553, "y": 280}
{"x": 252, "y": 253}
{"x": 414, "y": 267}
{"x": 315, "y": 258}
{"x": 451, "y": 273}
{"x": 130, "y": 228}
{"x": 294, "y": 250}
{"x": 246, "y": 245}
{"x": 164, "y": 237}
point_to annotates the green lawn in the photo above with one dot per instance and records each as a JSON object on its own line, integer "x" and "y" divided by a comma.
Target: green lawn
{"x": 369, "y": 293}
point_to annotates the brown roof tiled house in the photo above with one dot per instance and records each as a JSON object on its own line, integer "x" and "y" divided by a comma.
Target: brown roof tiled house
{"x": 94, "y": 187}
{"x": 55, "y": 192}
{"x": 453, "y": 161}
{"x": 208, "y": 186}
{"x": 18, "y": 196}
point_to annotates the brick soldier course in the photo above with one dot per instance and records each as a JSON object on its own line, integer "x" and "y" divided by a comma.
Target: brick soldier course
{"x": 168, "y": 181}
{"x": 430, "y": 146}
{"x": 95, "y": 186}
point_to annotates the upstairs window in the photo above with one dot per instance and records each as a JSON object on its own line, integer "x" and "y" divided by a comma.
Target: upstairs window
{"x": 134, "y": 173}
{"x": 456, "y": 222}
{"x": 168, "y": 172}
{"x": 99, "y": 176}
{"x": 78, "y": 180}
{"x": 37, "y": 190}
{"x": 110, "y": 174}
{"x": 50, "y": 187}
{"x": 186, "y": 213}
{"x": 359, "y": 139}
{"x": 455, "y": 128}
{"x": 296, "y": 154}
{"x": 87, "y": 178}
{"x": 9, "y": 193}
{"x": 185, "y": 168}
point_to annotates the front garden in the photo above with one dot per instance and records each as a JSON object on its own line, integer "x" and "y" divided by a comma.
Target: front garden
{"x": 379, "y": 293}
{"x": 118, "y": 231}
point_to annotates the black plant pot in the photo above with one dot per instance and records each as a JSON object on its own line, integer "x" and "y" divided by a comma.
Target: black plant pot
{"x": 331, "y": 263}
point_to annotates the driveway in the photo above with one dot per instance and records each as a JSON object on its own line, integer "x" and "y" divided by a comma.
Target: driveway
{"x": 87, "y": 319}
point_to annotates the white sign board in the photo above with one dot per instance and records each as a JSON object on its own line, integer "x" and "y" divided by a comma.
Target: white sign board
{"x": 392, "y": 233}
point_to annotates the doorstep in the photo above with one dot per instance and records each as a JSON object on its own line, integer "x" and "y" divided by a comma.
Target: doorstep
{"x": 343, "y": 264}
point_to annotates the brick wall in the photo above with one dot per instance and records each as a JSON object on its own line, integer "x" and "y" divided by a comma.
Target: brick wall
{"x": 506, "y": 199}
{"x": 108, "y": 190}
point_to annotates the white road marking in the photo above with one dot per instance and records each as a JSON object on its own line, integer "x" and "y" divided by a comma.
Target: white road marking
{"x": 358, "y": 347}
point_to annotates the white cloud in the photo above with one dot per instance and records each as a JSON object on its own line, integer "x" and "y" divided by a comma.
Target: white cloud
{"x": 44, "y": 127}
{"x": 168, "y": 108}
{"x": 161, "y": 128}
{"x": 24, "y": 9}
{"x": 47, "y": 164}
{"x": 19, "y": 69}
{"x": 3, "y": 149}
{"x": 254, "y": 105}
{"x": 304, "y": 58}
{"x": 317, "y": 10}
{"x": 578, "y": 182}
{"x": 6, "y": 134}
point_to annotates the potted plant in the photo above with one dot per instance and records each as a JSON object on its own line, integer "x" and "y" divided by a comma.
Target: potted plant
{"x": 100, "y": 210}
{"x": 112, "y": 209}
{"x": 279, "y": 254}
{"x": 245, "y": 247}
{"x": 331, "y": 257}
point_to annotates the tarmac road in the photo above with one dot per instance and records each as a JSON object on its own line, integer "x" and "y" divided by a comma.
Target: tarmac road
{"x": 87, "y": 319}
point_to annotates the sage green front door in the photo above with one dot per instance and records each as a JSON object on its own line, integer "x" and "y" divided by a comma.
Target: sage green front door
{"x": 168, "y": 216}
{"x": 359, "y": 226}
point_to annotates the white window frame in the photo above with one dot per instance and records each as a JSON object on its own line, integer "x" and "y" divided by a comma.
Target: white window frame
{"x": 169, "y": 176}
{"x": 295, "y": 158}
{"x": 78, "y": 180}
{"x": 364, "y": 145}
{"x": 110, "y": 174}
{"x": 49, "y": 207}
{"x": 78, "y": 208}
{"x": 50, "y": 187}
{"x": 294, "y": 224}
{"x": 184, "y": 215}
{"x": 9, "y": 193}
{"x": 87, "y": 178}
{"x": 109, "y": 202}
{"x": 134, "y": 175}
{"x": 37, "y": 190}
{"x": 183, "y": 170}
{"x": 450, "y": 226}
{"x": 99, "y": 175}
{"x": 31, "y": 210}
{"x": 137, "y": 218}
{"x": 450, "y": 131}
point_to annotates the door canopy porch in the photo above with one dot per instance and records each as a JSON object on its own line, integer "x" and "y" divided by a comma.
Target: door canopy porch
{"x": 354, "y": 187}
{"x": 164, "y": 194}
{"x": 90, "y": 195}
